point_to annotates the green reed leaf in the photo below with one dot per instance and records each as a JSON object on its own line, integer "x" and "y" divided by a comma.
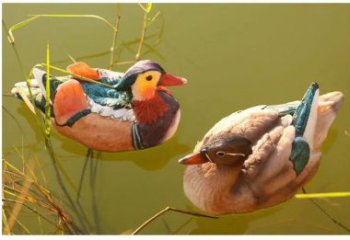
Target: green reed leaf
{"x": 146, "y": 8}
{"x": 322, "y": 195}
{"x": 75, "y": 16}
{"x": 47, "y": 105}
{"x": 18, "y": 26}
{"x": 36, "y": 16}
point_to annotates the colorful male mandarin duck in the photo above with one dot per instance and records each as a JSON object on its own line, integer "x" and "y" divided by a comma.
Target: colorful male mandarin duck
{"x": 137, "y": 112}
{"x": 260, "y": 156}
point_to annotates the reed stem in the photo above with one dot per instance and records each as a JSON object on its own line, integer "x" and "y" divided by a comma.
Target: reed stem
{"x": 142, "y": 39}
{"x": 114, "y": 40}
{"x": 161, "y": 212}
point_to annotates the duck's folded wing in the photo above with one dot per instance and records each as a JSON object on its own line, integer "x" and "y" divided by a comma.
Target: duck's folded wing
{"x": 107, "y": 96}
{"x": 268, "y": 169}
{"x": 71, "y": 103}
{"x": 265, "y": 147}
{"x": 109, "y": 77}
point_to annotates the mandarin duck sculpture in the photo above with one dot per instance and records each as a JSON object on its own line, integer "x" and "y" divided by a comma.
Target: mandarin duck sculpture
{"x": 261, "y": 156}
{"x": 136, "y": 112}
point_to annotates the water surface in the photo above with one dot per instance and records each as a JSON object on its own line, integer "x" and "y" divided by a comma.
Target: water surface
{"x": 234, "y": 56}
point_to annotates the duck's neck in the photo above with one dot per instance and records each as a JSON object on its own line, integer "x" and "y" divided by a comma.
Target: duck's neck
{"x": 155, "y": 118}
{"x": 148, "y": 111}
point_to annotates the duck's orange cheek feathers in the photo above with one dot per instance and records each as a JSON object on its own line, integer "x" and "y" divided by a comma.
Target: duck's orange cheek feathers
{"x": 148, "y": 92}
{"x": 69, "y": 100}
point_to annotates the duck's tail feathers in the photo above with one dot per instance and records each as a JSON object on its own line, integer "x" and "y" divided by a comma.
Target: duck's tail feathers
{"x": 35, "y": 85}
{"x": 328, "y": 107}
{"x": 36, "y": 89}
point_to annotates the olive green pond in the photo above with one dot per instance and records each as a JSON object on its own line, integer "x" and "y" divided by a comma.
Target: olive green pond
{"x": 234, "y": 56}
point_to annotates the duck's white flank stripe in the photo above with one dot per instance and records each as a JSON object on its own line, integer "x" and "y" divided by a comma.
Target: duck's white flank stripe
{"x": 123, "y": 114}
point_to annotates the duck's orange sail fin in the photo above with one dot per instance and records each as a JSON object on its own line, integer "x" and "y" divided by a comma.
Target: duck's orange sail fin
{"x": 84, "y": 70}
{"x": 70, "y": 99}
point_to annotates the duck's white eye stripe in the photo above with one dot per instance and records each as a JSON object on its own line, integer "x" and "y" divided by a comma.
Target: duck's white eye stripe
{"x": 236, "y": 154}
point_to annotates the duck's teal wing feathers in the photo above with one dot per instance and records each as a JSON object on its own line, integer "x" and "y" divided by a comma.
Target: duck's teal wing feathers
{"x": 301, "y": 115}
{"x": 300, "y": 148}
{"x": 107, "y": 96}
{"x": 300, "y": 154}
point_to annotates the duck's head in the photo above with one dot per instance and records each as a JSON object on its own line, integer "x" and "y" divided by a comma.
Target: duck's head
{"x": 224, "y": 151}
{"x": 145, "y": 77}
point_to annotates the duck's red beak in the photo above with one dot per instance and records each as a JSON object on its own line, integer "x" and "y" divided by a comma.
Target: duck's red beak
{"x": 193, "y": 158}
{"x": 171, "y": 80}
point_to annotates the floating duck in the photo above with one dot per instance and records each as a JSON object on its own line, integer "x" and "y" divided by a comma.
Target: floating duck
{"x": 261, "y": 156}
{"x": 136, "y": 112}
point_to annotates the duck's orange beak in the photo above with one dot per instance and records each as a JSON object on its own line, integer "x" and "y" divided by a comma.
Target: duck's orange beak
{"x": 193, "y": 158}
{"x": 171, "y": 80}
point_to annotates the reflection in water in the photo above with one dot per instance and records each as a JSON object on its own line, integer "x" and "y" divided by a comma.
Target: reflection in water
{"x": 230, "y": 224}
{"x": 153, "y": 158}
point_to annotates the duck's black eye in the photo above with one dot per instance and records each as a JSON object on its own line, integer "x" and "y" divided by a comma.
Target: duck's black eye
{"x": 149, "y": 78}
{"x": 220, "y": 153}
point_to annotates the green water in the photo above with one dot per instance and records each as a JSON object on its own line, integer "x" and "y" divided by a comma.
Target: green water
{"x": 234, "y": 56}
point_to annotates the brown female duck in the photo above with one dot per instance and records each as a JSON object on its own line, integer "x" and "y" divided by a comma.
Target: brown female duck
{"x": 260, "y": 156}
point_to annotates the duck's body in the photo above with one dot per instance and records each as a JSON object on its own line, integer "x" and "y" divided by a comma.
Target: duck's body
{"x": 110, "y": 134}
{"x": 133, "y": 114}
{"x": 261, "y": 156}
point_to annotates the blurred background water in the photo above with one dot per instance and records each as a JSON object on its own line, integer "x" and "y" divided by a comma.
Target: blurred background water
{"x": 234, "y": 56}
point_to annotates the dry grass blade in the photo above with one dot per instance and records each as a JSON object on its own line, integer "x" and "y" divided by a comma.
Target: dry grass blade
{"x": 124, "y": 63}
{"x": 18, "y": 206}
{"x": 154, "y": 217}
{"x": 23, "y": 190}
{"x": 71, "y": 57}
{"x": 89, "y": 56}
{"x": 26, "y": 230}
{"x": 146, "y": 23}
{"x": 77, "y": 209}
{"x": 27, "y": 101}
{"x": 154, "y": 18}
{"x": 142, "y": 39}
{"x": 115, "y": 35}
